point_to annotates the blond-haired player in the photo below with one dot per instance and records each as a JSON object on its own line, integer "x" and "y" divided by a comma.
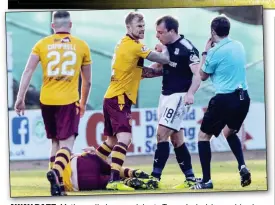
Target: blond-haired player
{"x": 127, "y": 72}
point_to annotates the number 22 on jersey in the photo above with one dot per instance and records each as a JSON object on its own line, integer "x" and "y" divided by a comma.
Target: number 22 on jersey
{"x": 58, "y": 66}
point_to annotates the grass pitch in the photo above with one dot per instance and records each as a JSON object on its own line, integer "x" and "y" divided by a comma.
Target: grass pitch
{"x": 225, "y": 177}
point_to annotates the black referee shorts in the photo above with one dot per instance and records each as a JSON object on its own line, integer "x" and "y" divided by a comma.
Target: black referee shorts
{"x": 225, "y": 109}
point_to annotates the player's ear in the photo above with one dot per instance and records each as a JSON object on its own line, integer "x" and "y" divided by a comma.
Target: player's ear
{"x": 71, "y": 25}
{"x": 52, "y": 25}
{"x": 128, "y": 27}
{"x": 213, "y": 33}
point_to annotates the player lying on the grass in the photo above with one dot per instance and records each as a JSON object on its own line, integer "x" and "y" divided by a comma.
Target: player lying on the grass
{"x": 88, "y": 171}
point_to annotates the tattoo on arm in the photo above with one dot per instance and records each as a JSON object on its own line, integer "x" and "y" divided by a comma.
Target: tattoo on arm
{"x": 151, "y": 72}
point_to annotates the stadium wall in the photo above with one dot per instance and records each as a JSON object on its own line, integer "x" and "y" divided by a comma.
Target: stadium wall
{"x": 27, "y": 137}
{"x": 102, "y": 34}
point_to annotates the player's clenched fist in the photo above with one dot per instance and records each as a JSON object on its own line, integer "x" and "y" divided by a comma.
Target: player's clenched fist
{"x": 159, "y": 47}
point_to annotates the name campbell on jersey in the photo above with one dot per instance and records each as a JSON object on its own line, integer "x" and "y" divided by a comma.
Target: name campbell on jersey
{"x": 61, "y": 56}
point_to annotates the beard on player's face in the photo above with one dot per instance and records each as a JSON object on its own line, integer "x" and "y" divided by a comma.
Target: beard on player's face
{"x": 137, "y": 32}
{"x": 136, "y": 28}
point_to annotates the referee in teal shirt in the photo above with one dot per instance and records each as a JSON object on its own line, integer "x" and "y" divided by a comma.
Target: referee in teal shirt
{"x": 224, "y": 62}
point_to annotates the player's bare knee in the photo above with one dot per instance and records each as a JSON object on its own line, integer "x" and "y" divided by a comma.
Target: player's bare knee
{"x": 124, "y": 137}
{"x": 163, "y": 134}
{"x": 228, "y": 132}
{"x": 126, "y": 141}
{"x": 177, "y": 142}
{"x": 177, "y": 139}
{"x": 69, "y": 142}
{"x": 203, "y": 136}
{"x": 111, "y": 141}
{"x": 161, "y": 138}
{"x": 55, "y": 147}
{"x": 55, "y": 143}
{"x": 54, "y": 140}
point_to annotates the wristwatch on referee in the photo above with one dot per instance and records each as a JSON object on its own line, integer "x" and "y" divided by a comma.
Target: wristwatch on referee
{"x": 204, "y": 53}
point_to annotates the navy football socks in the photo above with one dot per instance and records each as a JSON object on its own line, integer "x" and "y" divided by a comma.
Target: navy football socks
{"x": 184, "y": 160}
{"x": 205, "y": 159}
{"x": 161, "y": 155}
{"x": 236, "y": 147}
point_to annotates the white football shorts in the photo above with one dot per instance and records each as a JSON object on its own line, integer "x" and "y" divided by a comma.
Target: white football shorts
{"x": 171, "y": 111}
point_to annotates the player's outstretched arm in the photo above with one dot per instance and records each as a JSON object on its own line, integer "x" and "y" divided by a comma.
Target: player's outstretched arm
{"x": 25, "y": 82}
{"x": 85, "y": 87}
{"x": 154, "y": 70}
{"x": 162, "y": 58}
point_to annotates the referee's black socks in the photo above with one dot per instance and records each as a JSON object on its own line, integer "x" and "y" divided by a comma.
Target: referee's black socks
{"x": 205, "y": 158}
{"x": 184, "y": 160}
{"x": 236, "y": 147}
{"x": 161, "y": 155}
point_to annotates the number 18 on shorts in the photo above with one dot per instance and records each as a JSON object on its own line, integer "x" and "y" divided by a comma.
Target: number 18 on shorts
{"x": 171, "y": 111}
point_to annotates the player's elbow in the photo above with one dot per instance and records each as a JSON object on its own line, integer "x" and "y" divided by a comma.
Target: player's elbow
{"x": 86, "y": 83}
{"x": 158, "y": 57}
{"x": 28, "y": 72}
{"x": 165, "y": 60}
{"x": 203, "y": 76}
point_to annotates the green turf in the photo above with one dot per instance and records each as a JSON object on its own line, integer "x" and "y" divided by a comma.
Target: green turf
{"x": 224, "y": 175}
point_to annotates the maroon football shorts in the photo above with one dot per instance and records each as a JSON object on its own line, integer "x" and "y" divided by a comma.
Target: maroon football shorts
{"x": 117, "y": 115}
{"x": 61, "y": 121}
